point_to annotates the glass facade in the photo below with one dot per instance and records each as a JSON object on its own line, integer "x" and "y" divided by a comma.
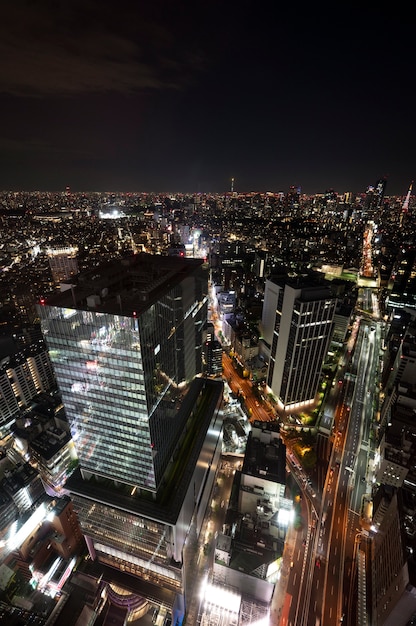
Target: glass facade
{"x": 122, "y": 378}
{"x": 98, "y": 365}
{"x": 130, "y": 540}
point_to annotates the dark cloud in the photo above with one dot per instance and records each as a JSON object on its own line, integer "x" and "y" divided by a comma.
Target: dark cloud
{"x": 185, "y": 94}
{"x": 67, "y": 48}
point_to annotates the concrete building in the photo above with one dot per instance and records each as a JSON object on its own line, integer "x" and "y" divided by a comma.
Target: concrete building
{"x": 248, "y": 554}
{"x": 25, "y": 371}
{"x": 297, "y": 324}
{"x": 63, "y": 263}
{"x": 212, "y": 351}
{"x": 54, "y": 453}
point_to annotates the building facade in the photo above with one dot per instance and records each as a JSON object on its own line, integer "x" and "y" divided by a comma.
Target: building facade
{"x": 249, "y": 551}
{"x": 63, "y": 263}
{"x": 388, "y": 567}
{"x": 303, "y": 326}
{"x": 25, "y": 371}
{"x": 126, "y": 341}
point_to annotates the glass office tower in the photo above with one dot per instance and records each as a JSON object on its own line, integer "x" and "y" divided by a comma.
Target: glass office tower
{"x": 126, "y": 343}
{"x": 125, "y": 339}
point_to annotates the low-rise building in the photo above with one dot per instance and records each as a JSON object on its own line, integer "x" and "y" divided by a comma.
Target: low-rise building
{"x": 248, "y": 553}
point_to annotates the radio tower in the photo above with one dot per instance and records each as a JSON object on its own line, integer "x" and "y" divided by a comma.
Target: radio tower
{"x": 405, "y": 207}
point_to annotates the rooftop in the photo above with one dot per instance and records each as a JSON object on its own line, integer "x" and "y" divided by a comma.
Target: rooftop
{"x": 265, "y": 453}
{"x": 124, "y": 286}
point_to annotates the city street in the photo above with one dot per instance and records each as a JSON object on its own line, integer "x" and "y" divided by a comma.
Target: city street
{"x": 321, "y": 578}
{"x": 257, "y": 409}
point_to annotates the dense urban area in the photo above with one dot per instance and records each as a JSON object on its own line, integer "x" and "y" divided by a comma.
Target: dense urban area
{"x": 301, "y": 408}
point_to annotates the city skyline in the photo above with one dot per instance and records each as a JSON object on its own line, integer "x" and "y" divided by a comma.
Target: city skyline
{"x": 111, "y": 347}
{"x": 186, "y": 98}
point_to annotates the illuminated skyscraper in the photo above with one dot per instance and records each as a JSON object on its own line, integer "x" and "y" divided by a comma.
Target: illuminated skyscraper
{"x": 375, "y": 196}
{"x": 405, "y": 207}
{"x": 298, "y": 322}
{"x": 126, "y": 342}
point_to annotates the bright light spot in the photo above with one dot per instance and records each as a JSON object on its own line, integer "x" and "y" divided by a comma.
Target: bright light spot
{"x": 203, "y": 588}
{"x": 285, "y": 517}
{"x": 262, "y": 621}
{"x": 222, "y": 598}
{"x": 16, "y": 539}
{"x": 46, "y": 578}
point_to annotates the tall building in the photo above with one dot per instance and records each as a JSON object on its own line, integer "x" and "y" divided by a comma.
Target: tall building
{"x": 25, "y": 371}
{"x": 403, "y": 291}
{"x": 126, "y": 341}
{"x": 374, "y": 196}
{"x": 387, "y": 559}
{"x": 212, "y": 351}
{"x": 297, "y": 320}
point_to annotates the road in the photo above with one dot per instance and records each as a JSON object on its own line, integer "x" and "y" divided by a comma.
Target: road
{"x": 257, "y": 409}
{"x": 322, "y": 581}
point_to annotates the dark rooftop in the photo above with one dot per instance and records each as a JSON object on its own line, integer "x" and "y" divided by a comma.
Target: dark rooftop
{"x": 265, "y": 453}
{"x": 124, "y": 286}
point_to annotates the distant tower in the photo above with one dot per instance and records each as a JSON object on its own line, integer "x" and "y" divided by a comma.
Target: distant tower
{"x": 292, "y": 199}
{"x": 232, "y": 185}
{"x": 375, "y": 196}
{"x": 405, "y": 207}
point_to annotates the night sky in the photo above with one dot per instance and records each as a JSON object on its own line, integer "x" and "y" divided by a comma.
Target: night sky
{"x": 182, "y": 96}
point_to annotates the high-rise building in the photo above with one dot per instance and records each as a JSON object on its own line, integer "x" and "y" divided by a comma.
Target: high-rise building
{"x": 297, "y": 323}
{"x": 25, "y": 371}
{"x": 126, "y": 341}
{"x": 213, "y": 357}
{"x": 403, "y": 292}
{"x": 386, "y": 559}
{"x": 374, "y": 196}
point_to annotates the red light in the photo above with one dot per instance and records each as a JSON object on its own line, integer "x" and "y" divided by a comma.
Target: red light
{"x": 42, "y": 301}
{"x": 134, "y": 314}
